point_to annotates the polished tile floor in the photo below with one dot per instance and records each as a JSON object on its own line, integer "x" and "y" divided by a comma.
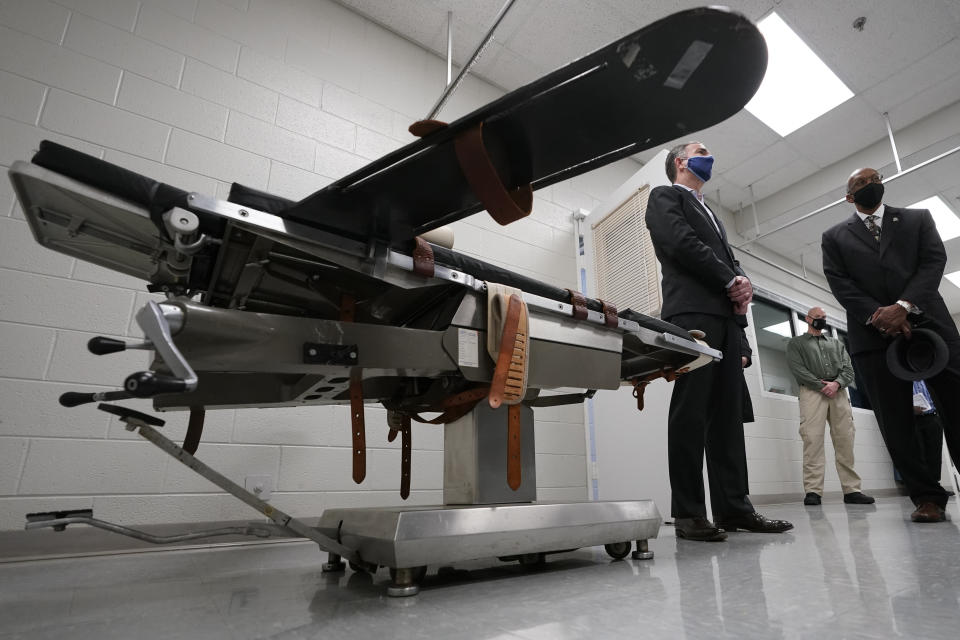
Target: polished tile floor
{"x": 843, "y": 572}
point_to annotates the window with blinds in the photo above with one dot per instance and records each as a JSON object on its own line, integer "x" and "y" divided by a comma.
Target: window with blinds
{"x": 623, "y": 258}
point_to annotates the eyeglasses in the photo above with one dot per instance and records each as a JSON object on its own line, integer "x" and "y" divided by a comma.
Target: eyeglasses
{"x": 862, "y": 182}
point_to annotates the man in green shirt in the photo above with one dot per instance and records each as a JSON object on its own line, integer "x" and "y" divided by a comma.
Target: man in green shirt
{"x": 823, "y": 369}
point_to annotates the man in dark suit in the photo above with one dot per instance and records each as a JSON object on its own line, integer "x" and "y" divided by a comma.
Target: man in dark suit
{"x": 885, "y": 268}
{"x": 704, "y": 288}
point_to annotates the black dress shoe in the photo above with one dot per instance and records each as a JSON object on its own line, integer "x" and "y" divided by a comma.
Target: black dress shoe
{"x": 855, "y": 497}
{"x": 698, "y": 529}
{"x": 811, "y": 499}
{"x": 929, "y": 512}
{"x": 755, "y": 523}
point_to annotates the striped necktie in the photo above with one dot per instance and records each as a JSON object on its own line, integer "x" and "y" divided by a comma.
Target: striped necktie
{"x": 872, "y": 226}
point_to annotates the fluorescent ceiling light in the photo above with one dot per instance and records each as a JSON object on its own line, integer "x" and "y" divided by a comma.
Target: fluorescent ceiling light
{"x": 798, "y": 86}
{"x": 781, "y": 329}
{"x": 948, "y": 224}
{"x": 954, "y": 278}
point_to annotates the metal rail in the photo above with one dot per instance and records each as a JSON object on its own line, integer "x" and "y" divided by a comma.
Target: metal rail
{"x": 452, "y": 86}
{"x": 836, "y": 202}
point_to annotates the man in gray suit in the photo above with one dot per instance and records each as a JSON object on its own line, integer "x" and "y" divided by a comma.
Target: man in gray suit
{"x": 704, "y": 288}
{"x": 885, "y": 267}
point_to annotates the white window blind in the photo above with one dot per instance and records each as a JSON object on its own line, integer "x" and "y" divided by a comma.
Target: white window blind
{"x": 624, "y": 262}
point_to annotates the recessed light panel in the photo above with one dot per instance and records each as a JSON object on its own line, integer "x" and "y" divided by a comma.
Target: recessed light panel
{"x": 781, "y": 329}
{"x": 954, "y": 278}
{"x": 948, "y": 224}
{"x": 798, "y": 86}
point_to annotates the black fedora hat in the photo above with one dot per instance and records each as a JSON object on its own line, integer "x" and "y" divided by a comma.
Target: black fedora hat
{"x": 924, "y": 355}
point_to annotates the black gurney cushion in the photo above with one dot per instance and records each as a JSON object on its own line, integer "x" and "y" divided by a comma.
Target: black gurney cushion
{"x": 479, "y": 269}
{"x": 157, "y": 197}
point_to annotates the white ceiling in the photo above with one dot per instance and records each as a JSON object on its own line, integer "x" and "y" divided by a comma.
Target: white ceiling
{"x": 905, "y": 62}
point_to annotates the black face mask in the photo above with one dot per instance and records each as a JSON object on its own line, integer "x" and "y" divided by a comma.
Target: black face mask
{"x": 870, "y": 196}
{"x": 819, "y": 323}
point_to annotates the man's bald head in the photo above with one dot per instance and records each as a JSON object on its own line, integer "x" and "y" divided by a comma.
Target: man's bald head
{"x": 816, "y": 312}
{"x": 861, "y": 178}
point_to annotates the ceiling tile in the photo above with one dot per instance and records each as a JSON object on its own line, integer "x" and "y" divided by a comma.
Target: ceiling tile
{"x": 925, "y": 103}
{"x": 783, "y": 177}
{"x": 836, "y": 134}
{"x": 760, "y": 165}
{"x": 564, "y": 31}
{"x": 902, "y": 86}
{"x": 896, "y": 35}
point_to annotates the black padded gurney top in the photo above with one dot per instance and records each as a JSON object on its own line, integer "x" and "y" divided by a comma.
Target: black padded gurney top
{"x": 156, "y": 197}
{"x": 248, "y": 197}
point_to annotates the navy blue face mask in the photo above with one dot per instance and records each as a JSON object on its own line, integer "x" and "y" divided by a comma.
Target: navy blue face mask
{"x": 700, "y": 166}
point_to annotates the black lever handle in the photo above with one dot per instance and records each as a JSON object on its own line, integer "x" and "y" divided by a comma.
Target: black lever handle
{"x": 102, "y": 346}
{"x": 73, "y": 398}
{"x": 146, "y": 384}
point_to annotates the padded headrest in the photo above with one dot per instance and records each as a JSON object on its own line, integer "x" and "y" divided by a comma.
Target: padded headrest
{"x": 442, "y": 236}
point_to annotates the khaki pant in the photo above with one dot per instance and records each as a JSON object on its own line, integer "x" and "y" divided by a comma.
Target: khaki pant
{"x": 816, "y": 410}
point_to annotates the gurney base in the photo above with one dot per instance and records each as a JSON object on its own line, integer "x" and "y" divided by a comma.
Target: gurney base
{"x": 407, "y": 539}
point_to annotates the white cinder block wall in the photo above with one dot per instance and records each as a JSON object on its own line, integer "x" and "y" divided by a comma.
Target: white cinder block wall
{"x": 280, "y": 95}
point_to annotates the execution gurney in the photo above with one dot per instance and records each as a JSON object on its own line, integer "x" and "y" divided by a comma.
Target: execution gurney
{"x": 338, "y": 299}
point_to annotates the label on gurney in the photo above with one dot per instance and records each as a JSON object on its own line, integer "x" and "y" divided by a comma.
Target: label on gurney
{"x": 468, "y": 348}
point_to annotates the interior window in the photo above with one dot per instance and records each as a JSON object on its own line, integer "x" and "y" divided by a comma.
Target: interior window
{"x": 774, "y": 328}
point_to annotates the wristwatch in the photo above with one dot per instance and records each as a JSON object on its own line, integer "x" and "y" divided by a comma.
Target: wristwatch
{"x": 910, "y": 308}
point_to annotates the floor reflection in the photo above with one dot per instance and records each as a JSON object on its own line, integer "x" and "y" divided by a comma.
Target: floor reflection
{"x": 845, "y": 571}
{"x": 722, "y": 591}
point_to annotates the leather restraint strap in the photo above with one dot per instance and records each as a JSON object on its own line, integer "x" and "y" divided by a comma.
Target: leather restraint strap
{"x": 347, "y": 314}
{"x": 514, "y": 446}
{"x": 456, "y": 406}
{"x": 509, "y": 377}
{"x": 194, "y": 430}
{"x": 640, "y": 384}
{"x": 423, "y": 262}
{"x": 509, "y": 382}
{"x": 400, "y": 423}
{"x": 610, "y": 314}
{"x": 423, "y": 128}
{"x": 579, "y": 304}
{"x": 502, "y": 205}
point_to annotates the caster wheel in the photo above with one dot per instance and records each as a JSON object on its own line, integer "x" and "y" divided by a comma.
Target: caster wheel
{"x": 531, "y": 560}
{"x": 618, "y": 550}
{"x": 405, "y": 581}
{"x": 417, "y": 574}
{"x": 333, "y": 567}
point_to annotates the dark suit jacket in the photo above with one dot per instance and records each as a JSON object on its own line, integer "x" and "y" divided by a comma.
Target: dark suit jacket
{"x": 907, "y": 264}
{"x": 746, "y": 352}
{"x": 696, "y": 261}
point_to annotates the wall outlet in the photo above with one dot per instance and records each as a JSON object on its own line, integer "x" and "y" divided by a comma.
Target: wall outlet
{"x": 260, "y": 486}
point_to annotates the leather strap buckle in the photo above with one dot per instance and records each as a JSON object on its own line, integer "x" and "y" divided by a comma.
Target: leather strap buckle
{"x": 610, "y": 314}
{"x": 423, "y": 262}
{"x": 579, "y": 303}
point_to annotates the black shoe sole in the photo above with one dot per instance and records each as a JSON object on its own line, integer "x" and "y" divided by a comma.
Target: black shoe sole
{"x": 717, "y": 537}
{"x": 727, "y": 527}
